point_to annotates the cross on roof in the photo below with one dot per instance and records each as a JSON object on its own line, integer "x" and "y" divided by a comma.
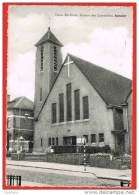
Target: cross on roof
{"x": 49, "y": 22}
{"x": 68, "y": 64}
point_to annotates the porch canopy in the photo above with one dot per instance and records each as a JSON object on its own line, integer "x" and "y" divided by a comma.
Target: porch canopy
{"x": 119, "y": 132}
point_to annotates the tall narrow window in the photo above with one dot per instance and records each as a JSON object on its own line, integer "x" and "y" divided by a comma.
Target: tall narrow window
{"x": 53, "y": 141}
{"x": 54, "y": 113}
{"x": 86, "y": 137}
{"x": 26, "y": 117}
{"x": 101, "y": 137}
{"x": 55, "y": 59}
{"x": 8, "y": 122}
{"x": 61, "y": 107}
{"x": 93, "y": 138}
{"x": 56, "y": 140}
{"x": 40, "y": 94}
{"x": 49, "y": 141}
{"x": 69, "y": 103}
{"x": 42, "y": 58}
{"x": 77, "y": 104}
{"x": 41, "y": 142}
{"x": 85, "y": 108}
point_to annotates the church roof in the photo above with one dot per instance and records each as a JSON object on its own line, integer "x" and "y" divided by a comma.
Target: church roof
{"x": 49, "y": 37}
{"x": 21, "y": 103}
{"x": 113, "y": 88}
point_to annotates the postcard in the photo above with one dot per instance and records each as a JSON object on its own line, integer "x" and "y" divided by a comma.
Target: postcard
{"x": 69, "y": 96}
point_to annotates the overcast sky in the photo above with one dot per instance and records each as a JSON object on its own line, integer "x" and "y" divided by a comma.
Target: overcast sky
{"x": 103, "y": 40}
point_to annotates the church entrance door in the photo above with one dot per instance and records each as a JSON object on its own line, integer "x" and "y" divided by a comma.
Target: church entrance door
{"x": 121, "y": 142}
{"x": 68, "y": 141}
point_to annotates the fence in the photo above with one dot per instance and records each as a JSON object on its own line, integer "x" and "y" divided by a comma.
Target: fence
{"x": 13, "y": 180}
{"x": 125, "y": 183}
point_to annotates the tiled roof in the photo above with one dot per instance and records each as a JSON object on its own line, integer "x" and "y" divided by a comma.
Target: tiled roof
{"x": 49, "y": 36}
{"x": 22, "y": 103}
{"x": 113, "y": 88}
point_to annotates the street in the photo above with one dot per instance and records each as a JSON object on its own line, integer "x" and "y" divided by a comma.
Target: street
{"x": 53, "y": 177}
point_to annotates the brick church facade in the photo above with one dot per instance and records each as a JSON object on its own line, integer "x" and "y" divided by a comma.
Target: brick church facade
{"x": 78, "y": 99}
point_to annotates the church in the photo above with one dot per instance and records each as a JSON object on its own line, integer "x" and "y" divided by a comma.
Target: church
{"x": 77, "y": 99}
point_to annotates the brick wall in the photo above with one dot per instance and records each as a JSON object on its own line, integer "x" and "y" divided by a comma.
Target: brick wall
{"x": 67, "y": 158}
{"x": 20, "y": 126}
{"x": 22, "y": 123}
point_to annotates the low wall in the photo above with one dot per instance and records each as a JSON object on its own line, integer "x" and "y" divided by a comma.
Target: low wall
{"x": 35, "y": 157}
{"x": 65, "y": 158}
{"x": 95, "y": 160}
{"x": 29, "y": 157}
{"x": 17, "y": 156}
{"x": 104, "y": 161}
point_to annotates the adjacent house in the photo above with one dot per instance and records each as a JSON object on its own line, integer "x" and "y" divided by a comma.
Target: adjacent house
{"x": 20, "y": 124}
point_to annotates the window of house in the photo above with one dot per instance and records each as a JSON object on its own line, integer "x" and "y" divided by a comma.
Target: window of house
{"x": 56, "y": 140}
{"x": 85, "y": 108}
{"x": 54, "y": 113}
{"x": 53, "y": 141}
{"x": 101, "y": 137}
{"x": 42, "y": 58}
{"x": 61, "y": 107}
{"x": 16, "y": 111}
{"x": 22, "y": 112}
{"x": 26, "y": 117}
{"x": 77, "y": 104}
{"x": 40, "y": 94}
{"x": 86, "y": 137}
{"x": 41, "y": 142}
{"x": 8, "y": 123}
{"x": 69, "y": 102}
{"x": 55, "y": 59}
{"x": 49, "y": 141}
{"x": 93, "y": 138}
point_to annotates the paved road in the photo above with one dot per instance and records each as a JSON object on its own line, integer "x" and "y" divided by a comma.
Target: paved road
{"x": 101, "y": 173}
{"x": 58, "y": 177}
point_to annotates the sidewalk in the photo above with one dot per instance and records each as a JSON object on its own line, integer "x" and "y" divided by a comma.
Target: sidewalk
{"x": 98, "y": 172}
{"x": 28, "y": 183}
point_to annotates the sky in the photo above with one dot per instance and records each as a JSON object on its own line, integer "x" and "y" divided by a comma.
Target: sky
{"x": 90, "y": 32}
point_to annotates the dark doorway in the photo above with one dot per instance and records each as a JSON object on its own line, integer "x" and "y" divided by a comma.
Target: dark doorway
{"x": 121, "y": 142}
{"x": 30, "y": 147}
{"x": 8, "y": 138}
{"x": 68, "y": 141}
{"x": 73, "y": 140}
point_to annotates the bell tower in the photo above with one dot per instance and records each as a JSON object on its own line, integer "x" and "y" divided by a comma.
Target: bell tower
{"x": 48, "y": 64}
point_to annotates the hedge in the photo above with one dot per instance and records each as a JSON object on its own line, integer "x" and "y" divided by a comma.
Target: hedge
{"x": 80, "y": 149}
